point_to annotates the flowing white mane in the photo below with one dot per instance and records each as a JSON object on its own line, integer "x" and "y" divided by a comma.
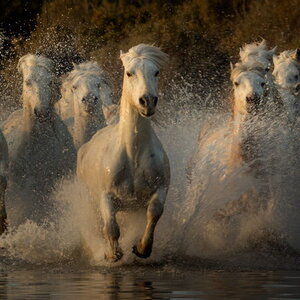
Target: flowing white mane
{"x": 87, "y": 69}
{"x": 31, "y": 61}
{"x": 256, "y": 48}
{"x": 144, "y": 51}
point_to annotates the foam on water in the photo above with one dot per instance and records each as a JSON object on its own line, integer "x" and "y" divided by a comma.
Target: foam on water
{"x": 71, "y": 232}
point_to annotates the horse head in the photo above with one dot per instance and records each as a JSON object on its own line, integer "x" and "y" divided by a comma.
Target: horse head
{"x": 88, "y": 87}
{"x": 38, "y": 83}
{"x": 142, "y": 64}
{"x": 249, "y": 88}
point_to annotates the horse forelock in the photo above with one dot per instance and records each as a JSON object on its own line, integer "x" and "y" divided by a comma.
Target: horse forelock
{"x": 144, "y": 51}
{"x": 240, "y": 68}
{"x": 87, "y": 70}
{"x": 254, "y": 49}
{"x": 31, "y": 61}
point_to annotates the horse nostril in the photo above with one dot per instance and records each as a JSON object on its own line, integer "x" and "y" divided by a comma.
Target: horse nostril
{"x": 155, "y": 100}
{"x": 143, "y": 102}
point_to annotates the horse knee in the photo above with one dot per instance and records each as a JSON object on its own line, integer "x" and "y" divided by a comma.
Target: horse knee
{"x": 155, "y": 210}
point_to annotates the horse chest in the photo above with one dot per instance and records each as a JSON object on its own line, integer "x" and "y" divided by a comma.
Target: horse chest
{"x": 136, "y": 179}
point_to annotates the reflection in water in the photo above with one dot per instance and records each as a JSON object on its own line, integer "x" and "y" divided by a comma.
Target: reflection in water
{"x": 149, "y": 285}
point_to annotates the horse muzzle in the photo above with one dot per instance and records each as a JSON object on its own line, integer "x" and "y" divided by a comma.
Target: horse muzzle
{"x": 148, "y": 105}
{"x": 253, "y": 103}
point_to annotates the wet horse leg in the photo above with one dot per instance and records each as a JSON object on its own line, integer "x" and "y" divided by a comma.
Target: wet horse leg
{"x": 111, "y": 228}
{"x": 154, "y": 211}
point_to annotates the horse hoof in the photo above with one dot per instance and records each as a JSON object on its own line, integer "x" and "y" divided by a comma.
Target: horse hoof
{"x": 115, "y": 257}
{"x": 135, "y": 250}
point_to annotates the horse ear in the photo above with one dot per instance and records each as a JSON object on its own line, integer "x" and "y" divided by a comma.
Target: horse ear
{"x": 275, "y": 59}
{"x": 273, "y": 51}
{"x": 75, "y": 66}
{"x": 240, "y": 52}
{"x": 296, "y": 55}
{"x": 231, "y": 66}
{"x": 20, "y": 64}
{"x": 263, "y": 42}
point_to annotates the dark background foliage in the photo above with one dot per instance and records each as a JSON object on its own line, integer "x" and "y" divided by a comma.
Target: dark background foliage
{"x": 201, "y": 36}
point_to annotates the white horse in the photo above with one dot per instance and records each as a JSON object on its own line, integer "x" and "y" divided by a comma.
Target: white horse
{"x": 287, "y": 77}
{"x": 249, "y": 105}
{"x": 85, "y": 93}
{"x": 232, "y": 146}
{"x": 124, "y": 165}
{"x": 40, "y": 147}
{"x": 3, "y": 181}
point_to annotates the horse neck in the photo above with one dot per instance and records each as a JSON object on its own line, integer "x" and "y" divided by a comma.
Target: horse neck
{"x": 85, "y": 126}
{"x": 134, "y": 129}
{"x": 237, "y": 122}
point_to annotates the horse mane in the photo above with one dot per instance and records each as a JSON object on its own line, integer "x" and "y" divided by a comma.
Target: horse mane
{"x": 145, "y": 51}
{"x": 253, "y": 49}
{"x": 31, "y": 60}
{"x": 286, "y": 55}
{"x": 242, "y": 67}
{"x": 87, "y": 69}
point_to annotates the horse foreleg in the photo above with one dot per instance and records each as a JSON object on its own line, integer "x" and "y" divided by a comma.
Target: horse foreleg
{"x": 3, "y": 216}
{"x": 154, "y": 211}
{"x": 111, "y": 228}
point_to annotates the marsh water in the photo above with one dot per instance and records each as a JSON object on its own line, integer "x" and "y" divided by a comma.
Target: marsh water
{"x": 152, "y": 283}
{"x": 252, "y": 256}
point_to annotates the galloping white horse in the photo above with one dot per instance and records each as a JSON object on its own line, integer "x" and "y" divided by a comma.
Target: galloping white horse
{"x": 86, "y": 92}
{"x": 287, "y": 77}
{"x": 3, "y": 181}
{"x": 124, "y": 165}
{"x": 40, "y": 147}
{"x": 248, "y": 107}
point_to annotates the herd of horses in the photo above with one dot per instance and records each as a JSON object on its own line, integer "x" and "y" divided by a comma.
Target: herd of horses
{"x": 113, "y": 148}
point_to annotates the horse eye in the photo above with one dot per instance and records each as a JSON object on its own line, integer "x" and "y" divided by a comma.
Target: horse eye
{"x": 28, "y": 82}
{"x": 156, "y": 73}
{"x": 128, "y": 74}
{"x": 262, "y": 84}
{"x": 236, "y": 83}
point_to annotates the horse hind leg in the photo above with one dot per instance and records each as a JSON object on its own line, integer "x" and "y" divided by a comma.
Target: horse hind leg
{"x": 111, "y": 229}
{"x": 154, "y": 211}
{"x": 3, "y": 216}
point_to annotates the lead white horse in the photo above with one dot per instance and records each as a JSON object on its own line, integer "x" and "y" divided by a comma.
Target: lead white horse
{"x": 124, "y": 165}
{"x": 287, "y": 77}
{"x": 86, "y": 93}
{"x": 40, "y": 147}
